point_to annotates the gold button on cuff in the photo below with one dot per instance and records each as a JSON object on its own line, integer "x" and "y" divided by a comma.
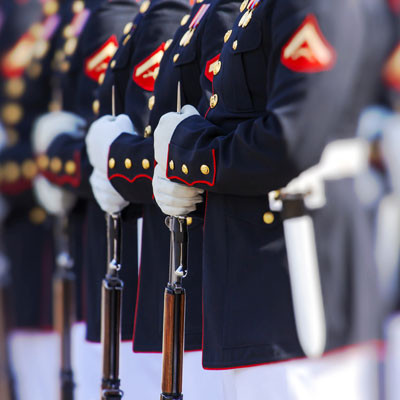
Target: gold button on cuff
{"x": 50, "y": 7}
{"x": 213, "y": 100}
{"x": 96, "y": 106}
{"x": 145, "y": 6}
{"x": 15, "y": 87}
{"x": 12, "y": 113}
{"x": 227, "y": 35}
{"x": 128, "y": 28}
{"x": 243, "y": 5}
{"x": 167, "y": 44}
{"x": 234, "y": 45}
{"x": 65, "y": 66}
{"x": 205, "y": 170}
{"x": 189, "y": 220}
{"x": 43, "y": 161}
{"x": 34, "y": 70}
{"x": 29, "y": 169}
{"x": 145, "y": 163}
{"x": 111, "y": 163}
{"x": 147, "y": 131}
{"x": 171, "y": 165}
{"x": 185, "y": 19}
{"x": 185, "y": 169}
{"x": 78, "y": 6}
{"x": 268, "y": 218}
{"x": 11, "y": 172}
{"x": 70, "y": 167}
{"x": 151, "y": 102}
{"x": 126, "y": 40}
{"x": 128, "y": 163}
{"x": 101, "y": 78}
{"x": 37, "y": 215}
{"x": 176, "y": 56}
{"x": 55, "y": 165}
{"x": 113, "y": 63}
{"x": 217, "y": 67}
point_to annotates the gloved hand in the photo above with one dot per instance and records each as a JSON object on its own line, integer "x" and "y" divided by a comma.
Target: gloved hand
{"x": 100, "y": 136}
{"x": 173, "y": 198}
{"x": 106, "y": 196}
{"x": 53, "y": 199}
{"x": 52, "y": 124}
{"x": 165, "y": 129}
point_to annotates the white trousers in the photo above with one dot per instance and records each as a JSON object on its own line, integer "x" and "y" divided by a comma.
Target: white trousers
{"x": 346, "y": 375}
{"x": 34, "y": 359}
{"x": 392, "y": 361}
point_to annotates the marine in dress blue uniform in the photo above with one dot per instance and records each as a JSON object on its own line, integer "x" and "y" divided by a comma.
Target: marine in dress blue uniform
{"x": 272, "y": 76}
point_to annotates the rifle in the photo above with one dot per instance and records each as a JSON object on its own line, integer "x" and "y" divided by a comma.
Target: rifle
{"x": 64, "y": 309}
{"x": 174, "y": 311}
{"x": 7, "y": 391}
{"x": 111, "y": 304}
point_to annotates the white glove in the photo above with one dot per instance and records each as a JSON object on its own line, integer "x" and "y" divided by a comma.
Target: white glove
{"x": 52, "y": 124}
{"x": 165, "y": 129}
{"x": 106, "y": 196}
{"x": 391, "y": 150}
{"x": 53, "y": 199}
{"x": 173, "y": 198}
{"x": 100, "y": 136}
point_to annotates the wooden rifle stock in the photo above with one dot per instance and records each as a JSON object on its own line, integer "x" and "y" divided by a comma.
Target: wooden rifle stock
{"x": 174, "y": 312}
{"x": 7, "y": 390}
{"x": 111, "y": 304}
{"x": 64, "y": 307}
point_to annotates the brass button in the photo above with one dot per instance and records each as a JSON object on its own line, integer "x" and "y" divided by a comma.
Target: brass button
{"x": 189, "y": 220}
{"x": 128, "y": 163}
{"x": 167, "y": 44}
{"x": 78, "y": 6}
{"x": 227, "y": 35}
{"x": 185, "y": 169}
{"x": 11, "y": 113}
{"x": 37, "y": 215}
{"x": 205, "y": 170}
{"x": 43, "y": 161}
{"x": 68, "y": 31}
{"x": 113, "y": 64}
{"x": 126, "y": 40}
{"x": 145, "y": 6}
{"x": 70, "y": 167}
{"x": 41, "y": 48}
{"x": 34, "y": 70}
{"x": 217, "y": 67}
{"x": 111, "y": 163}
{"x": 147, "y": 131}
{"x": 96, "y": 106}
{"x": 176, "y": 56}
{"x": 171, "y": 165}
{"x": 128, "y": 28}
{"x": 65, "y": 66}
{"x": 56, "y": 165}
{"x": 213, "y": 100}
{"x": 50, "y": 7}
{"x": 29, "y": 169}
{"x": 234, "y": 45}
{"x": 185, "y": 19}
{"x": 145, "y": 163}
{"x": 151, "y": 102}
{"x": 15, "y": 87}
{"x": 11, "y": 172}
{"x": 268, "y": 218}
{"x": 243, "y": 5}
{"x": 101, "y": 78}
{"x": 70, "y": 46}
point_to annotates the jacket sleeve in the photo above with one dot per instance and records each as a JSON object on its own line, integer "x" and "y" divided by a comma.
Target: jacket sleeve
{"x": 303, "y": 112}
